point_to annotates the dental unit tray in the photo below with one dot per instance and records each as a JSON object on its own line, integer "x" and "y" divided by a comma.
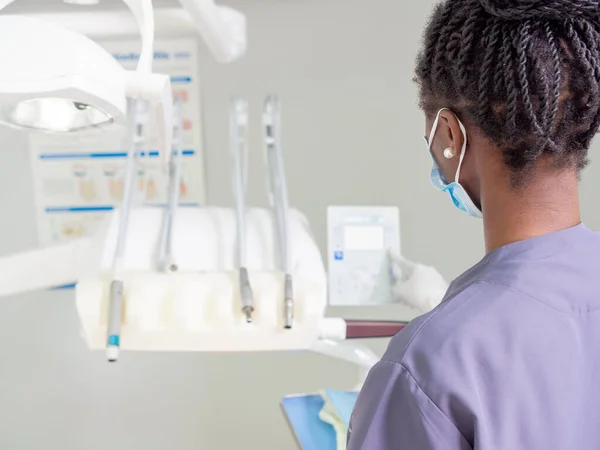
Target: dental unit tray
{"x": 182, "y": 274}
{"x": 197, "y": 308}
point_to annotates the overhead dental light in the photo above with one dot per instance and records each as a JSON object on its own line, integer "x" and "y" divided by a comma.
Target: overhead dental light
{"x": 55, "y": 80}
{"x": 61, "y": 82}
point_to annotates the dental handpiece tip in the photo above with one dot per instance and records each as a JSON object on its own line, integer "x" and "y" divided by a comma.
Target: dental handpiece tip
{"x": 247, "y": 310}
{"x": 112, "y": 354}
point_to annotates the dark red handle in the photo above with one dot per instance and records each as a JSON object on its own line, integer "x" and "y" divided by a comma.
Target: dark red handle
{"x": 357, "y": 329}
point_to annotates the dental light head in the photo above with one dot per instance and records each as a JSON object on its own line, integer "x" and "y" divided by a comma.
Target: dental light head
{"x": 56, "y": 81}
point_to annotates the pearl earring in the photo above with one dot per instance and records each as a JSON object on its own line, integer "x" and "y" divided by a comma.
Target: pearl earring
{"x": 448, "y": 153}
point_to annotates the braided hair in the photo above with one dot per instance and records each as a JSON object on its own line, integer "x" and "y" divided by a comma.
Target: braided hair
{"x": 526, "y": 72}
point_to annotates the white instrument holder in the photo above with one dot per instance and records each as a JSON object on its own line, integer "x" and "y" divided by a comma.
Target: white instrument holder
{"x": 200, "y": 305}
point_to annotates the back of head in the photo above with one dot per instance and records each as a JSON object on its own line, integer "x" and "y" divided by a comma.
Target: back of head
{"x": 526, "y": 72}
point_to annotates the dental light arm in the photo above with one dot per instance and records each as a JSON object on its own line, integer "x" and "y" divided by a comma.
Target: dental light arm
{"x": 222, "y": 28}
{"x": 144, "y": 16}
{"x": 143, "y": 84}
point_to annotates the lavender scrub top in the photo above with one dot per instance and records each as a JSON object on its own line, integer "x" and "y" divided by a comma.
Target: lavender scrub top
{"x": 510, "y": 360}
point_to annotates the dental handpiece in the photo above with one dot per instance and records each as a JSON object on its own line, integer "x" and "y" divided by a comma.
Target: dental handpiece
{"x": 239, "y": 150}
{"x": 165, "y": 250}
{"x": 279, "y": 199}
{"x": 288, "y": 298}
{"x": 246, "y": 295}
{"x": 115, "y": 304}
{"x": 115, "y": 317}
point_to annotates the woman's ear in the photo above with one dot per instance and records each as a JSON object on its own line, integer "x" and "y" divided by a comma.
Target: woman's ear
{"x": 450, "y": 128}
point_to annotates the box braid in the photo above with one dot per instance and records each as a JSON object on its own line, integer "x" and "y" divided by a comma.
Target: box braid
{"x": 526, "y": 72}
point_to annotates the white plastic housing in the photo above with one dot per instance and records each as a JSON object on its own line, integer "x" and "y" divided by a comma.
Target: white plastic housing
{"x": 197, "y": 308}
{"x": 42, "y": 268}
{"x": 222, "y": 28}
{"x": 43, "y": 60}
{"x": 50, "y": 70}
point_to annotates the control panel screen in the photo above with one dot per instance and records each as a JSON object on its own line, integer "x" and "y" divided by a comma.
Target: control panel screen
{"x": 364, "y": 237}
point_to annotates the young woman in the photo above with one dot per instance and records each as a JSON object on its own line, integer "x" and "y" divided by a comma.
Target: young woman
{"x": 510, "y": 360}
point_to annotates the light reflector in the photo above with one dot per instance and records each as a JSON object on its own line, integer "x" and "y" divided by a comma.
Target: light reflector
{"x": 53, "y": 115}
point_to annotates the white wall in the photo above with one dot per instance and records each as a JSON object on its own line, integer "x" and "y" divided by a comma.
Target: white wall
{"x": 352, "y": 135}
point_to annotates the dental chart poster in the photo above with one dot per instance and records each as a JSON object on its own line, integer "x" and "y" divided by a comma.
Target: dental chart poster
{"x": 79, "y": 180}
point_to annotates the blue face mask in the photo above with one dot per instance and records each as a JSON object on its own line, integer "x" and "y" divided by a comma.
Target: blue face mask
{"x": 455, "y": 190}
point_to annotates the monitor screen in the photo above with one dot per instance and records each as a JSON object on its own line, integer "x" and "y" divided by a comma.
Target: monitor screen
{"x": 366, "y": 237}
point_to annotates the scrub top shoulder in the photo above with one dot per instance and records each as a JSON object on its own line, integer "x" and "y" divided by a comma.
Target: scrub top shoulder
{"x": 509, "y": 359}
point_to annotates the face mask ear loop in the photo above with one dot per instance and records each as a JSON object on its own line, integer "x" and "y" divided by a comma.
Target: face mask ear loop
{"x": 463, "y": 149}
{"x": 434, "y": 128}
